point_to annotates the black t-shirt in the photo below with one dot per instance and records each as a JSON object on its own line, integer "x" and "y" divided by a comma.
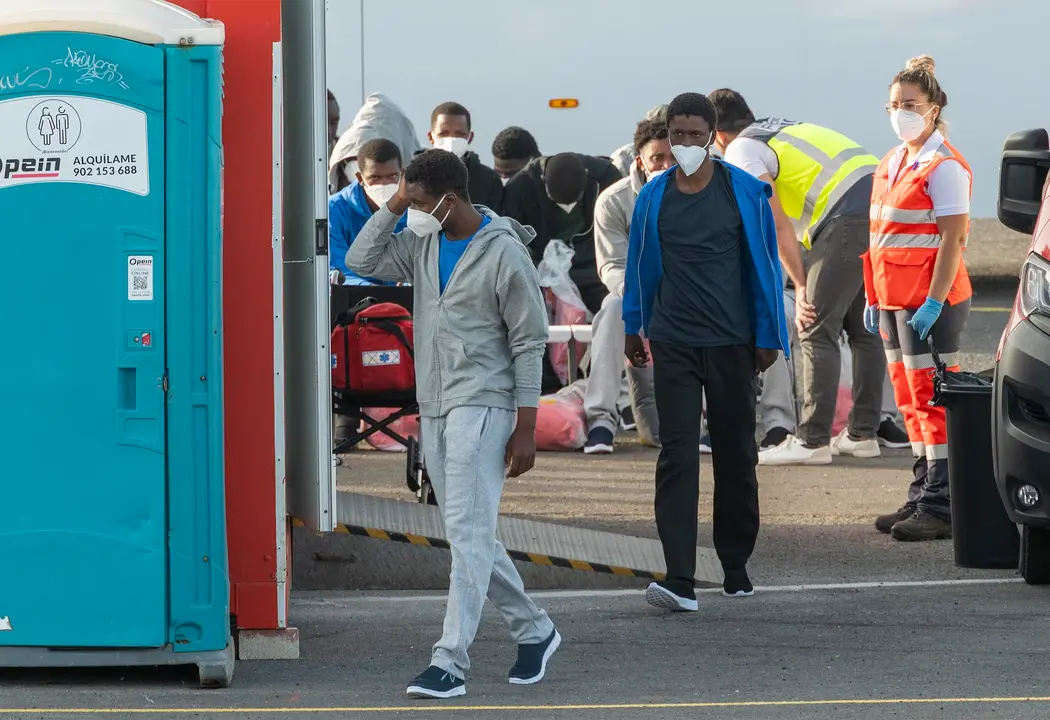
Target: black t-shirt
{"x": 702, "y": 300}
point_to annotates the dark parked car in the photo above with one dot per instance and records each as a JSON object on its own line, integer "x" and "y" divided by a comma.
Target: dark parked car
{"x": 1021, "y": 400}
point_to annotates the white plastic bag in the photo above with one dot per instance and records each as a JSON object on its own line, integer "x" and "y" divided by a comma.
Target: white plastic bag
{"x": 554, "y": 273}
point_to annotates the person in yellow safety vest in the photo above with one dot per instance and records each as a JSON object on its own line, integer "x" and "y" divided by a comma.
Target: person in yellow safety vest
{"x": 821, "y": 197}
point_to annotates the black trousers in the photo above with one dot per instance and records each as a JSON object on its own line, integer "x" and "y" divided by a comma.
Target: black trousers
{"x": 727, "y": 375}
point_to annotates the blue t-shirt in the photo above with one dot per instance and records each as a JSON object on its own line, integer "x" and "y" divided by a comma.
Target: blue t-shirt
{"x": 450, "y": 251}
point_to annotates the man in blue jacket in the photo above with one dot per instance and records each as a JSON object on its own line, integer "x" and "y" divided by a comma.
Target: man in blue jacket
{"x": 376, "y": 181}
{"x": 706, "y": 293}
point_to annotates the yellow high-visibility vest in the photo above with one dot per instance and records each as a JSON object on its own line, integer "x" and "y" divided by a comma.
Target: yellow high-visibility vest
{"x": 817, "y": 167}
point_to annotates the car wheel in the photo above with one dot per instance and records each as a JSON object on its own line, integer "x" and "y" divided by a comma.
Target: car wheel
{"x": 1035, "y": 555}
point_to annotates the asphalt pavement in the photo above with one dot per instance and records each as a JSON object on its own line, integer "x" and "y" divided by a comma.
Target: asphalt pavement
{"x": 845, "y": 624}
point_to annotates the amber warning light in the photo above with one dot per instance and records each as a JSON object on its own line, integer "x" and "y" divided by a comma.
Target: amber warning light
{"x": 564, "y": 103}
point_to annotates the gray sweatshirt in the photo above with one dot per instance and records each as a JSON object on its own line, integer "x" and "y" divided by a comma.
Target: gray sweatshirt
{"x": 612, "y": 228}
{"x": 481, "y": 342}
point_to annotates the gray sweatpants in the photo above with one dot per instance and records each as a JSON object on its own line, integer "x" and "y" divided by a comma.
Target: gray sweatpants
{"x": 606, "y": 396}
{"x": 835, "y": 284}
{"x": 465, "y": 455}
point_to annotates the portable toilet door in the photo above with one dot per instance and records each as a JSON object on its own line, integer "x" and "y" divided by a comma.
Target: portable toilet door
{"x": 112, "y": 532}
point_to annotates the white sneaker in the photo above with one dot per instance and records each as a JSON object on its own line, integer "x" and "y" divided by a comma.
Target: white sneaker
{"x": 793, "y": 452}
{"x": 845, "y": 445}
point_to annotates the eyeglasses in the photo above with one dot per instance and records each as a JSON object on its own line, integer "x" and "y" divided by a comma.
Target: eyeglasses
{"x": 907, "y": 106}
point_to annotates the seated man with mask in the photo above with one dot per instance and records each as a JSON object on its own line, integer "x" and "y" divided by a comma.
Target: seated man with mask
{"x": 557, "y": 196}
{"x": 378, "y": 175}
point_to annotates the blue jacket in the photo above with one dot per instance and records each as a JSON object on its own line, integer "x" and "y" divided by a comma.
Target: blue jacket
{"x": 348, "y": 211}
{"x": 764, "y": 283}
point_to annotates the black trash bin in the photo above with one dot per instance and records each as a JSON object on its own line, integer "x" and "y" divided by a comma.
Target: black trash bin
{"x": 983, "y": 535}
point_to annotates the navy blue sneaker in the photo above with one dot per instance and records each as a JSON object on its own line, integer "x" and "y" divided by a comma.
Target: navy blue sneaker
{"x": 599, "y": 441}
{"x": 436, "y": 684}
{"x": 532, "y": 660}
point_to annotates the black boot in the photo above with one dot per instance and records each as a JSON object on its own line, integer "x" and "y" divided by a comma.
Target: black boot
{"x": 922, "y": 526}
{"x": 885, "y": 523}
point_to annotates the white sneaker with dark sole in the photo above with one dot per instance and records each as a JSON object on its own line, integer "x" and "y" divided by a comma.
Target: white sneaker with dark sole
{"x": 660, "y": 597}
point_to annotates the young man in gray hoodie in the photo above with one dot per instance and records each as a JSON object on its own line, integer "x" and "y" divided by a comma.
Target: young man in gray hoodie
{"x": 480, "y": 332}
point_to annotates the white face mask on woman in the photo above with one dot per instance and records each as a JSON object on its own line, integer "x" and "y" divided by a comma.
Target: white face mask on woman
{"x": 907, "y": 124}
{"x": 424, "y": 224}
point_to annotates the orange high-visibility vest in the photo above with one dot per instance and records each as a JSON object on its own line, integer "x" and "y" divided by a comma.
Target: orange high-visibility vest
{"x": 905, "y": 238}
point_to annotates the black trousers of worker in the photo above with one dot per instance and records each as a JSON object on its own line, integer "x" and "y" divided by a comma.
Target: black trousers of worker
{"x": 727, "y": 376}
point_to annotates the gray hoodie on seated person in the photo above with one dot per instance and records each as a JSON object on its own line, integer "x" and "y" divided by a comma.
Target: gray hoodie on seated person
{"x": 481, "y": 342}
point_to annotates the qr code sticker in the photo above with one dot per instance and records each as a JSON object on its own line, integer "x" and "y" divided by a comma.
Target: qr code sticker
{"x": 138, "y": 282}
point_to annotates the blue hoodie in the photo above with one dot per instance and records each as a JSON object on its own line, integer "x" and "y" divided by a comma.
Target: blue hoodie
{"x": 348, "y": 211}
{"x": 764, "y": 282}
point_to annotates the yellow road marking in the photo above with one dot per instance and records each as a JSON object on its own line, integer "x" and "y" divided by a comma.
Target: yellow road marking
{"x": 421, "y": 709}
{"x": 991, "y": 309}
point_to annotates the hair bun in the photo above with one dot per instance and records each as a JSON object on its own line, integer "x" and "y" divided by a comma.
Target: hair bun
{"x": 922, "y": 62}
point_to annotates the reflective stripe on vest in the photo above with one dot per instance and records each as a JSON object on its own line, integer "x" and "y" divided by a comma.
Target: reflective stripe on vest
{"x": 913, "y": 226}
{"x": 817, "y": 168}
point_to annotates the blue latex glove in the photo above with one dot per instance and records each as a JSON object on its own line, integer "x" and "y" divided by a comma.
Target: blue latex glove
{"x": 925, "y": 317}
{"x": 871, "y": 319}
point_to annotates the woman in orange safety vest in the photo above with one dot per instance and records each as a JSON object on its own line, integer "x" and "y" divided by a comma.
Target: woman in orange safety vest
{"x": 917, "y": 287}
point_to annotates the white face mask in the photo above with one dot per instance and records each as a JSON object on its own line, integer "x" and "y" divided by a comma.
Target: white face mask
{"x": 908, "y": 125}
{"x": 655, "y": 174}
{"x": 567, "y": 207}
{"x": 350, "y": 170}
{"x": 456, "y": 145}
{"x": 690, "y": 157}
{"x": 424, "y": 224}
{"x": 381, "y": 194}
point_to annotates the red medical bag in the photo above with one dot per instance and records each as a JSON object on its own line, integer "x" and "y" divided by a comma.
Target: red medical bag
{"x": 372, "y": 349}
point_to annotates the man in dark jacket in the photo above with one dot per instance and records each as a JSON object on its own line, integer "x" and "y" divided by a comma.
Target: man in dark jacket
{"x": 450, "y": 129}
{"x": 512, "y": 149}
{"x": 556, "y": 195}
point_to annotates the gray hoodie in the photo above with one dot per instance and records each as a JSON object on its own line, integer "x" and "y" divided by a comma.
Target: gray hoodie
{"x": 612, "y": 228}
{"x": 481, "y": 342}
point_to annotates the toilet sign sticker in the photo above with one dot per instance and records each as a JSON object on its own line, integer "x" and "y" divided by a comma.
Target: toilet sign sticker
{"x": 140, "y": 277}
{"x": 73, "y": 139}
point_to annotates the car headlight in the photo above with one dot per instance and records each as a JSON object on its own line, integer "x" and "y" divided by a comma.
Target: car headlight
{"x": 1035, "y": 286}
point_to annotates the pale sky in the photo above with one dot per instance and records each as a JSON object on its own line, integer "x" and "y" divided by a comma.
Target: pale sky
{"x": 827, "y": 62}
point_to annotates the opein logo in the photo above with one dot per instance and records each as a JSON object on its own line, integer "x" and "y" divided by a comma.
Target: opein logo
{"x": 31, "y": 168}
{"x": 135, "y": 262}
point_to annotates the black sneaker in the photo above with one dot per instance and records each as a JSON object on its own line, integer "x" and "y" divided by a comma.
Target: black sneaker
{"x": 705, "y": 445}
{"x": 436, "y": 684}
{"x": 885, "y": 523}
{"x": 660, "y": 597}
{"x": 892, "y": 435}
{"x": 737, "y": 584}
{"x": 599, "y": 442}
{"x": 627, "y": 419}
{"x": 922, "y": 526}
{"x": 533, "y": 659}
{"x": 774, "y": 438}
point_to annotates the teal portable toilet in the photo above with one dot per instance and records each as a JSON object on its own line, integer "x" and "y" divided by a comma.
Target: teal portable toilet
{"x": 112, "y": 512}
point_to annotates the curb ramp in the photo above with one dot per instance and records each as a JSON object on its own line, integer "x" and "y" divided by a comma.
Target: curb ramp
{"x": 529, "y": 541}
